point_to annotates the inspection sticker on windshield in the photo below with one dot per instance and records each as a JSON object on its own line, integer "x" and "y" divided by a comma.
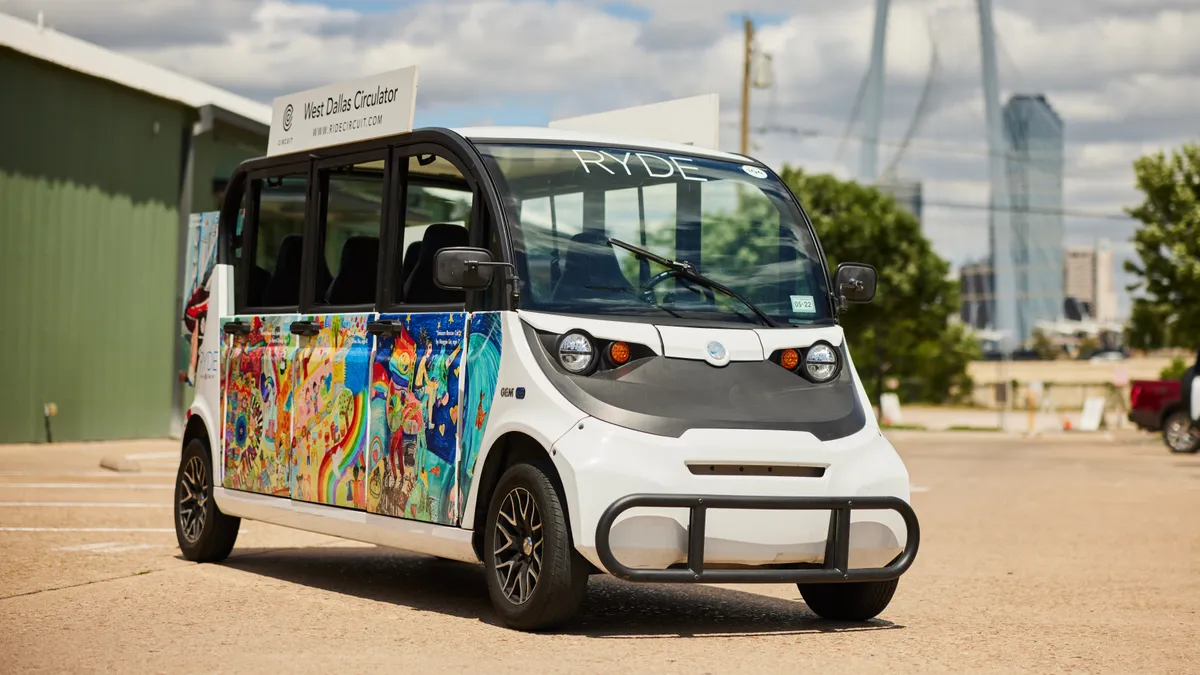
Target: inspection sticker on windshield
{"x": 759, "y": 173}
{"x": 804, "y": 304}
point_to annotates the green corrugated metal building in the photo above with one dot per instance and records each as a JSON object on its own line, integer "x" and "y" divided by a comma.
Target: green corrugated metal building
{"x": 102, "y": 158}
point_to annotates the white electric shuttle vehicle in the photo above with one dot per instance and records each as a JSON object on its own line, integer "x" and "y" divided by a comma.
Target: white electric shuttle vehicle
{"x": 553, "y": 353}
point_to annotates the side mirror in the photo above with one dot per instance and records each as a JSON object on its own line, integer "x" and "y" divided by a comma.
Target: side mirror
{"x": 463, "y": 268}
{"x": 854, "y": 282}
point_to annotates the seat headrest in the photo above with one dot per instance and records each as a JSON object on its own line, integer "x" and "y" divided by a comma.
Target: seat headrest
{"x": 358, "y": 250}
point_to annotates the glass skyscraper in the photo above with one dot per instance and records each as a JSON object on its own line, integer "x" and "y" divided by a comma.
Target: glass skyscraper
{"x": 1033, "y": 135}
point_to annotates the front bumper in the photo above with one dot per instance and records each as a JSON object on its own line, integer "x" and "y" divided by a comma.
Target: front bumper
{"x": 835, "y": 567}
{"x": 601, "y": 465}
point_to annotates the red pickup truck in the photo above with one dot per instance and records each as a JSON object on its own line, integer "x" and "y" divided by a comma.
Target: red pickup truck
{"x": 1156, "y": 405}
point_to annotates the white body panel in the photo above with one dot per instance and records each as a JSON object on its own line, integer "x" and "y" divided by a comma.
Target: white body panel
{"x": 410, "y": 535}
{"x": 692, "y": 343}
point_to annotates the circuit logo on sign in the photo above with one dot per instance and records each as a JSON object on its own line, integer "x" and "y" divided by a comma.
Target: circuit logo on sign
{"x": 287, "y": 117}
{"x": 512, "y": 392}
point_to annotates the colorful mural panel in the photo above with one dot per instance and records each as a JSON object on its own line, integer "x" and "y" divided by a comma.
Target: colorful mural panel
{"x": 200, "y": 259}
{"x": 258, "y": 405}
{"x": 414, "y": 418}
{"x": 332, "y": 375}
{"x": 484, "y": 341}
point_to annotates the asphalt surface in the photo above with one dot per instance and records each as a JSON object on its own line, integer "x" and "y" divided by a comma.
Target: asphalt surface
{"x": 1074, "y": 554}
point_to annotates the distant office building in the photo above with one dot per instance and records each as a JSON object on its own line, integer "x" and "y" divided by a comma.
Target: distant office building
{"x": 1088, "y": 282}
{"x": 976, "y": 289}
{"x": 1034, "y": 139}
{"x": 907, "y": 193}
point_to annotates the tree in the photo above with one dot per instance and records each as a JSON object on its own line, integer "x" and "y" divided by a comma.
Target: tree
{"x": 1168, "y": 246}
{"x": 1043, "y": 346}
{"x": 905, "y": 333}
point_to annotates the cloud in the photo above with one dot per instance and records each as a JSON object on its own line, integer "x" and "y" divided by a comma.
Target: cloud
{"x": 1124, "y": 74}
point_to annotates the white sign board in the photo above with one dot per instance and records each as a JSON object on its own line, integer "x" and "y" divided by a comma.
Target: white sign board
{"x": 356, "y": 110}
{"x": 1093, "y": 412}
{"x": 691, "y": 121}
{"x": 889, "y": 408}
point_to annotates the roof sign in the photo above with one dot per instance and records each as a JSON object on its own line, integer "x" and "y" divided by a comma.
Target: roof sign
{"x": 355, "y": 110}
{"x": 692, "y": 121}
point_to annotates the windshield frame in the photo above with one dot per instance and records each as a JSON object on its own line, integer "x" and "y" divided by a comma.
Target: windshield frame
{"x": 514, "y": 233}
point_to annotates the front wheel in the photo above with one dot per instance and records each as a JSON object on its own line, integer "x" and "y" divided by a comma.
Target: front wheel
{"x": 856, "y": 601}
{"x": 203, "y": 532}
{"x": 535, "y": 577}
{"x": 1178, "y": 433}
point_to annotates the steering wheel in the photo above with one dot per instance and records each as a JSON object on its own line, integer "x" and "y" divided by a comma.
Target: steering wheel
{"x": 648, "y": 289}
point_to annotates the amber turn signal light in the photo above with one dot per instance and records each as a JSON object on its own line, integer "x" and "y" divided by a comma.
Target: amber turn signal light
{"x": 789, "y": 359}
{"x": 618, "y": 353}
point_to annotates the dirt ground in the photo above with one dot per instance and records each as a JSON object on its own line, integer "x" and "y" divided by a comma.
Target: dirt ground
{"x": 1073, "y": 553}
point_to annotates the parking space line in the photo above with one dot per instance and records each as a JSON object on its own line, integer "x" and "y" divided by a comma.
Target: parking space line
{"x": 107, "y": 547}
{"x": 154, "y": 455}
{"x": 87, "y": 529}
{"x": 89, "y": 486}
{"x": 918, "y": 488}
{"x": 112, "y": 505}
{"x": 83, "y": 474}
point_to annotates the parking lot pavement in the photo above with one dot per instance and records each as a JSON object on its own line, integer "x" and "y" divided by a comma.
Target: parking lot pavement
{"x": 1054, "y": 554}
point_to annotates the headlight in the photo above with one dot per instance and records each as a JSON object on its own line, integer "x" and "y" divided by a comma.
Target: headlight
{"x": 576, "y": 353}
{"x": 821, "y": 362}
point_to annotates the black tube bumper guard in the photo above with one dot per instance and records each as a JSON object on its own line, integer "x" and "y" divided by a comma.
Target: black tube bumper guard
{"x": 836, "y": 567}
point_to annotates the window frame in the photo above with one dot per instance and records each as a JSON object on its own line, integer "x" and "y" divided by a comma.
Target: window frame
{"x": 253, "y": 193}
{"x": 480, "y": 224}
{"x": 313, "y": 236}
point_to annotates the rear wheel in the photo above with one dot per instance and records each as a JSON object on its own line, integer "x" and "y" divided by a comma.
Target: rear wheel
{"x": 1178, "y": 433}
{"x": 858, "y": 601}
{"x": 203, "y": 532}
{"x": 535, "y": 577}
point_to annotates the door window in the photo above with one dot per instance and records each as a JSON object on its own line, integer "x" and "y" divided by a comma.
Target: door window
{"x": 437, "y": 215}
{"x": 348, "y": 230}
{"x": 273, "y": 279}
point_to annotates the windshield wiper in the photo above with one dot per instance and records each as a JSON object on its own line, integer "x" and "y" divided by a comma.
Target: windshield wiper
{"x": 688, "y": 271}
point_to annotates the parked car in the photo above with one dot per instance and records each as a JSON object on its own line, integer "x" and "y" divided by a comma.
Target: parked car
{"x": 1157, "y": 405}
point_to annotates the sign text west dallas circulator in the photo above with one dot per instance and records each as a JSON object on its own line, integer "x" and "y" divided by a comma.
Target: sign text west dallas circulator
{"x": 344, "y": 112}
{"x": 345, "y": 103}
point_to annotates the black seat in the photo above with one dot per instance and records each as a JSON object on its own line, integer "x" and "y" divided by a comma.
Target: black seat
{"x": 259, "y": 280}
{"x": 410, "y": 262}
{"x": 419, "y": 288}
{"x": 591, "y": 269}
{"x": 284, "y": 288}
{"x": 355, "y": 282}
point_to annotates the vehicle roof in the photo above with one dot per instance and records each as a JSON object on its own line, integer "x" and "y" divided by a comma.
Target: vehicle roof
{"x": 591, "y": 138}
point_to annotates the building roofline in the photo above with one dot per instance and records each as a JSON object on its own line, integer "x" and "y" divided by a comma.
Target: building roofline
{"x": 49, "y": 45}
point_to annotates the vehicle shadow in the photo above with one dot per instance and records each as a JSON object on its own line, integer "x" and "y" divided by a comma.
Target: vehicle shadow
{"x": 613, "y": 609}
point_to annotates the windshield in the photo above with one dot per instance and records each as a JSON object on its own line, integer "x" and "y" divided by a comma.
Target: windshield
{"x": 730, "y": 223}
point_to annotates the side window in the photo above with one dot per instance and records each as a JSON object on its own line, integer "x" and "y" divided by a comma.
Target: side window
{"x": 437, "y": 215}
{"x": 278, "y": 246}
{"x": 350, "y": 215}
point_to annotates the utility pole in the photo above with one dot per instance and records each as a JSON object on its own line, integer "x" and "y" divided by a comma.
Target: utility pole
{"x": 747, "y": 56}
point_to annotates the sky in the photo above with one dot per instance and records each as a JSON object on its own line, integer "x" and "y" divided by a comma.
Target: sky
{"x": 1123, "y": 74}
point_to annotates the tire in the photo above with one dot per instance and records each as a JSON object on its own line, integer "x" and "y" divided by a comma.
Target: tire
{"x": 534, "y": 584}
{"x": 203, "y": 532}
{"x": 1178, "y": 434}
{"x": 858, "y": 601}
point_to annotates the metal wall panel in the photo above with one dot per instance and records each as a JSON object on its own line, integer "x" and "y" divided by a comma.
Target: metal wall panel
{"x": 89, "y": 187}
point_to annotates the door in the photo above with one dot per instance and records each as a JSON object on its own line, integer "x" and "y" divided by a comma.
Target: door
{"x": 332, "y": 363}
{"x": 257, "y": 345}
{"x": 417, "y": 371}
